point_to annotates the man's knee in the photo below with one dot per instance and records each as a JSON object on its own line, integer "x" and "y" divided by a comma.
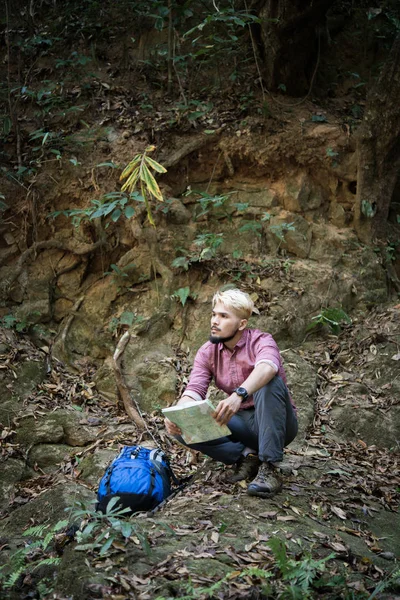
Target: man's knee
{"x": 274, "y": 388}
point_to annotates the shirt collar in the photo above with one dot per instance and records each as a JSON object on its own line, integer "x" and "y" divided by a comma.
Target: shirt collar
{"x": 239, "y": 344}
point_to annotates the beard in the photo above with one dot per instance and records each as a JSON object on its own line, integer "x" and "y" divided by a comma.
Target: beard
{"x": 216, "y": 339}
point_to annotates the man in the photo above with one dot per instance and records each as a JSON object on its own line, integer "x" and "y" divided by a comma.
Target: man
{"x": 247, "y": 365}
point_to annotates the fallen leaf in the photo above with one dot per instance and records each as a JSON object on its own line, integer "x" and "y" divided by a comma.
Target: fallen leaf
{"x": 338, "y": 547}
{"x": 215, "y": 537}
{"x": 339, "y": 512}
{"x": 269, "y": 514}
{"x": 286, "y": 518}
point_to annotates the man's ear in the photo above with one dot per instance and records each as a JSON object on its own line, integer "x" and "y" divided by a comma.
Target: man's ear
{"x": 242, "y": 324}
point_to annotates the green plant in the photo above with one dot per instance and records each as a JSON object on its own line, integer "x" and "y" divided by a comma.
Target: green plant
{"x": 100, "y": 530}
{"x": 251, "y": 227}
{"x": 332, "y": 317}
{"x": 35, "y": 554}
{"x": 21, "y": 325}
{"x": 208, "y": 244}
{"x": 302, "y": 573}
{"x": 208, "y": 201}
{"x": 183, "y": 294}
{"x": 111, "y": 205}
{"x": 126, "y": 319}
{"x": 138, "y": 172}
{"x": 280, "y": 229}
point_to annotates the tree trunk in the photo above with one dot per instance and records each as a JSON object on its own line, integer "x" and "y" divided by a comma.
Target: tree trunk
{"x": 378, "y": 147}
{"x": 291, "y": 36}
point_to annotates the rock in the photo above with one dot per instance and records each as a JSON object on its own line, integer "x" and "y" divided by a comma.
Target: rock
{"x": 296, "y": 240}
{"x": 353, "y": 413}
{"x": 155, "y": 380}
{"x": 301, "y": 195}
{"x": 41, "y": 431}
{"x": 48, "y": 455}
{"x": 34, "y": 311}
{"x": 355, "y": 420}
{"x": 337, "y": 214}
{"x": 47, "y": 508}
{"x": 105, "y": 381}
{"x": 68, "y": 427}
{"x": 261, "y": 197}
{"x": 302, "y": 383}
{"x": 14, "y": 391}
{"x": 11, "y": 471}
{"x": 62, "y": 308}
{"x": 177, "y": 213}
{"x": 92, "y": 467}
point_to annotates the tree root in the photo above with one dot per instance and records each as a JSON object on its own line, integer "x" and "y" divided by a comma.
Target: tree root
{"x": 59, "y": 346}
{"x": 191, "y": 146}
{"x": 68, "y": 245}
{"x": 127, "y": 400}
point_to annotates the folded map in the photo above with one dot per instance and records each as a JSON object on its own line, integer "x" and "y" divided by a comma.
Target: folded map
{"x": 196, "y": 421}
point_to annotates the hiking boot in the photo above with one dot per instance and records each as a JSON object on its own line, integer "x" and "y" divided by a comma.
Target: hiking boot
{"x": 267, "y": 483}
{"x": 245, "y": 468}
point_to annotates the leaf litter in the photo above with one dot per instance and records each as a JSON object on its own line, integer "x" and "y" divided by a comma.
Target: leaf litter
{"x": 340, "y": 486}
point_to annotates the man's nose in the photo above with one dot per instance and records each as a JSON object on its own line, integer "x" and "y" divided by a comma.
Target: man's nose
{"x": 214, "y": 320}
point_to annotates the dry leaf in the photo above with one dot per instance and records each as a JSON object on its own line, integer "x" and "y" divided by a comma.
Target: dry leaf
{"x": 338, "y": 547}
{"x": 286, "y": 518}
{"x": 339, "y": 512}
{"x": 215, "y": 537}
{"x": 269, "y": 514}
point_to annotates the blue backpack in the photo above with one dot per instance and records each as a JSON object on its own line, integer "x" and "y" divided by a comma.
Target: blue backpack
{"x": 140, "y": 477}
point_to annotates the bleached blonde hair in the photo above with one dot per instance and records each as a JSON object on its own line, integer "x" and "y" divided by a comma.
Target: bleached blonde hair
{"x": 236, "y": 300}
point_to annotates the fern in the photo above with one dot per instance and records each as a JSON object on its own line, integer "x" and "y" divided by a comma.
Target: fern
{"x": 279, "y": 551}
{"x": 36, "y": 531}
{"x": 49, "y": 562}
{"x": 13, "y": 578}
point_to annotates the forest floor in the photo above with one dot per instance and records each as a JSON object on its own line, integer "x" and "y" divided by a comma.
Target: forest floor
{"x": 331, "y": 533}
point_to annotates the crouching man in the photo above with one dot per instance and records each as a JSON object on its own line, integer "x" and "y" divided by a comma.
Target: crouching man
{"x": 247, "y": 365}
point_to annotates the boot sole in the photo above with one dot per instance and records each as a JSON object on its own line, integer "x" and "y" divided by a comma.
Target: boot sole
{"x": 263, "y": 494}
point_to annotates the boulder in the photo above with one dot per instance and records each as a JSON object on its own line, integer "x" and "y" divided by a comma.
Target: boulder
{"x": 302, "y": 383}
{"x": 152, "y": 379}
{"x": 301, "y": 195}
{"x": 11, "y": 471}
{"x": 92, "y": 467}
{"x": 47, "y": 456}
{"x": 296, "y": 240}
{"x": 358, "y": 420}
{"x": 105, "y": 381}
{"x": 69, "y": 427}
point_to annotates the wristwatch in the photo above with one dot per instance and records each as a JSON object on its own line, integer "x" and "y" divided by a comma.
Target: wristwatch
{"x": 241, "y": 391}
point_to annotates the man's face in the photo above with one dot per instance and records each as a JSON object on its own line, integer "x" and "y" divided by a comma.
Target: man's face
{"x": 225, "y": 324}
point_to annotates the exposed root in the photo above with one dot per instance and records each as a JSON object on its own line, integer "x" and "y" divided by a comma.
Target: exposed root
{"x": 60, "y": 347}
{"x": 195, "y": 143}
{"x": 68, "y": 245}
{"x": 127, "y": 400}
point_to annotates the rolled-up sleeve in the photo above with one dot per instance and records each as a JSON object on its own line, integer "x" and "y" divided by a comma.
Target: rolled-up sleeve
{"x": 200, "y": 377}
{"x": 267, "y": 351}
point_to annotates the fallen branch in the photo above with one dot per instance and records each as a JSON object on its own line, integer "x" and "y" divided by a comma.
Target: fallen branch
{"x": 127, "y": 400}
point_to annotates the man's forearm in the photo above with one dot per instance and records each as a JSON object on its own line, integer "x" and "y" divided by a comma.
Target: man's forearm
{"x": 260, "y": 376}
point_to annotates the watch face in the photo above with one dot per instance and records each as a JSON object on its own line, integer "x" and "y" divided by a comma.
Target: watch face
{"x": 241, "y": 391}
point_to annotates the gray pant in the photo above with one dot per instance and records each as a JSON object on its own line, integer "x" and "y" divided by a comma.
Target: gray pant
{"x": 268, "y": 428}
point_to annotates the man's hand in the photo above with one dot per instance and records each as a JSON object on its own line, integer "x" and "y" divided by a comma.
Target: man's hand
{"x": 171, "y": 428}
{"x": 227, "y": 408}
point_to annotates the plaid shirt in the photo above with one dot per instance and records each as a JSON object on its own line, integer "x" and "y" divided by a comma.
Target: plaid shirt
{"x": 230, "y": 368}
